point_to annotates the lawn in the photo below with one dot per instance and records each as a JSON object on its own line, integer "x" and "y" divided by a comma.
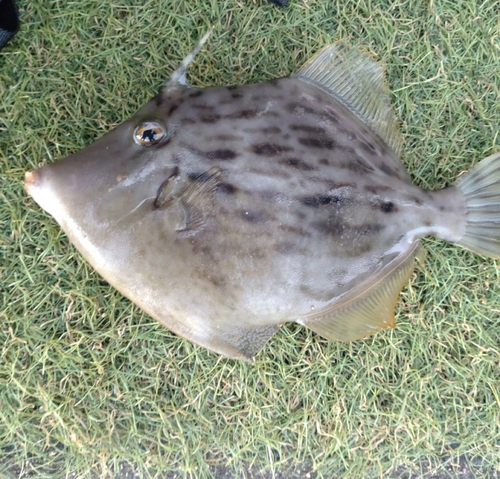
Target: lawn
{"x": 89, "y": 384}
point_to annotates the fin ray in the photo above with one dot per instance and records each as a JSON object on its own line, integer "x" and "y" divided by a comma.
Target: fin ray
{"x": 481, "y": 190}
{"x": 369, "y": 307}
{"x": 197, "y": 198}
{"x": 356, "y": 80}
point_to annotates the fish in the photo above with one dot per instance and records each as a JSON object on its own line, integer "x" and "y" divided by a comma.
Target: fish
{"x": 226, "y": 212}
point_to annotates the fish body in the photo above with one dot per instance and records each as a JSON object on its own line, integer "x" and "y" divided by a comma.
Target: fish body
{"x": 225, "y": 212}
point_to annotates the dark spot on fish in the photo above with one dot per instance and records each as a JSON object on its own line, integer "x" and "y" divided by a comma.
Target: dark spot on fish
{"x": 236, "y": 95}
{"x": 321, "y": 200}
{"x": 295, "y": 107}
{"x": 333, "y": 185}
{"x": 222, "y": 154}
{"x": 253, "y": 216}
{"x": 265, "y": 130}
{"x": 330, "y": 116}
{"x": 296, "y": 163}
{"x": 210, "y": 118}
{"x": 324, "y": 161}
{"x": 278, "y": 173}
{"x": 258, "y": 253}
{"x": 271, "y": 130}
{"x": 416, "y": 200}
{"x": 318, "y": 142}
{"x": 368, "y": 146}
{"x": 245, "y": 114}
{"x": 388, "y": 207}
{"x": 358, "y": 166}
{"x": 427, "y": 223}
{"x": 285, "y": 247}
{"x": 227, "y": 188}
{"x": 200, "y": 106}
{"x": 441, "y": 208}
{"x": 217, "y": 282}
{"x": 232, "y": 87}
{"x": 307, "y": 128}
{"x": 368, "y": 228}
{"x": 224, "y": 138}
{"x": 272, "y": 113}
{"x": 332, "y": 227}
{"x": 377, "y": 189}
{"x": 159, "y": 99}
{"x": 172, "y": 109}
{"x": 274, "y": 82}
{"x": 357, "y": 249}
{"x": 187, "y": 121}
{"x": 388, "y": 170}
{"x": 270, "y": 149}
{"x": 195, "y": 94}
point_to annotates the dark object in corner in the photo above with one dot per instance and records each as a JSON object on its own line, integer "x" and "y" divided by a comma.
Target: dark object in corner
{"x": 9, "y": 23}
{"x": 280, "y": 3}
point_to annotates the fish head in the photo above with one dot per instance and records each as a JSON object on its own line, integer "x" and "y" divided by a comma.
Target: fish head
{"x": 122, "y": 171}
{"x": 102, "y": 182}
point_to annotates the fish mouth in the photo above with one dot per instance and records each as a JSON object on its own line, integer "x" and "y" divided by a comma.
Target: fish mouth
{"x": 30, "y": 180}
{"x": 38, "y": 186}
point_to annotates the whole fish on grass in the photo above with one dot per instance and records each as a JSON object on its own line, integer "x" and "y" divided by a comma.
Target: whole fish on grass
{"x": 226, "y": 212}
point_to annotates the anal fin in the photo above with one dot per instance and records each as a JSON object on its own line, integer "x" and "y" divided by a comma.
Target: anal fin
{"x": 369, "y": 307}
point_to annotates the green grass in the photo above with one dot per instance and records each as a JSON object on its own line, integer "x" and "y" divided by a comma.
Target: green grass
{"x": 89, "y": 383}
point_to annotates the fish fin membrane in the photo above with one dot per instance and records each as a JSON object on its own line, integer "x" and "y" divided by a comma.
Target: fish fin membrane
{"x": 197, "y": 199}
{"x": 357, "y": 81}
{"x": 481, "y": 189}
{"x": 370, "y": 307}
{"x": 243, "y": 343}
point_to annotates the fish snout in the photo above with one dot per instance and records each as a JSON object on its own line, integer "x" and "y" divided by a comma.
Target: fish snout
{"x": 38, "y": 185}
{"x": 31, "y": 179}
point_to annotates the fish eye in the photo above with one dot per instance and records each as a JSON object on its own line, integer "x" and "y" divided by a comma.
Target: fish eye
{"x": 149, "y": 133}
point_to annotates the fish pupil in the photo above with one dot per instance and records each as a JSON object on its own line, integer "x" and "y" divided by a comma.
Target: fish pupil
{"x": 148, "y": 135}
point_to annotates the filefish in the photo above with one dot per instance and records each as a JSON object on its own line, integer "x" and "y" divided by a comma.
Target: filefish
{"x": 225, "y": 212}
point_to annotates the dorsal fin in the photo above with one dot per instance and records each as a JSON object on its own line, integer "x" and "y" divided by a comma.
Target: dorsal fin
{"x": 356, "y": 81}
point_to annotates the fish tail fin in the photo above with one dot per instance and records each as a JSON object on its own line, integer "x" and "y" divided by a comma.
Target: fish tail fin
{"x": 481, "y": 190}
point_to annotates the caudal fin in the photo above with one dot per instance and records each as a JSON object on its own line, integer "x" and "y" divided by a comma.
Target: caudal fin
{"x": 481, "y": 189}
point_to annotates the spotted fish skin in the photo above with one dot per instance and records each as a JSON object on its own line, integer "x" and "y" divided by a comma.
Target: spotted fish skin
{"x": 280, "y": 202}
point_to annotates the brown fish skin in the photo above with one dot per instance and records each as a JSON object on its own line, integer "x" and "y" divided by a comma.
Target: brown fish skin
{"x": 281, "y": 202}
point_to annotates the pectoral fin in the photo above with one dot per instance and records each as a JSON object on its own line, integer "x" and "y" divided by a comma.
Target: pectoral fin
{"x": 367, "y": 309}
{"x": 196, "y": 201}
